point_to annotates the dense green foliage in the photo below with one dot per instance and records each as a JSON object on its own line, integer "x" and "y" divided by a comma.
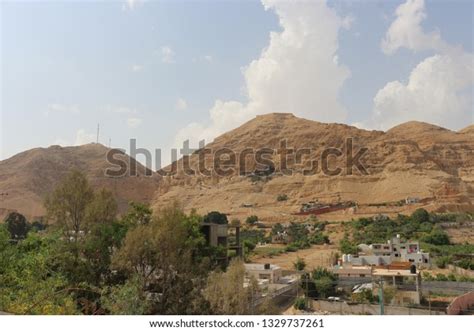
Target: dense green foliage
{"x": 215, "y": 217}
{"x": 17, "y": 225}
{"x": 320, "y": 283}
{"x": 420, "y": 225}
{"x": 91, "y": 261}
{"x": 252, "y": 220}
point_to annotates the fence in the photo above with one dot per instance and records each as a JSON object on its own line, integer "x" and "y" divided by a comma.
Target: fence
{"x": 444, "y": 287}
{"x": 342, "y": 308}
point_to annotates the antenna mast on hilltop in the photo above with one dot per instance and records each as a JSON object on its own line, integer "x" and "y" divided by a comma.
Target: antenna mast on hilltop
{"x": 98, "y": 128}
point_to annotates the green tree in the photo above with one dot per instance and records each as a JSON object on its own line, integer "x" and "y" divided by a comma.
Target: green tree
{"x": 126, "y": 299}
{"x": 102, "y": 209}
{"x": 277, "y": 228}
{"x": 17, "y": 225}
{"x": 320, "y": 283}
{"x": 252, "y": 220}
{"x": 348, "y": 247}
{"x": 30, "y": 284}
{"x": 226, "y": 294}
{"x": 437, "y": 237}
{"x": 420, "y": 216}
{"x": 137, "y": 214}
{"x": 299, "y": 264}
{"x": 67, "y": 204}
{"x": 161, "y": 255}
{"x": 215, "y": 217}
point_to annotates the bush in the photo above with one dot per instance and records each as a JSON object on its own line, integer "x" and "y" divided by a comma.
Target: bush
{"x": 300, "y": 303}
{"x": 437, "y": 237}
{"x": 420, "y": 215}
{"x": 427, "y": 277}
{"x": 299, "y": 264}
{"x": 215, "y": 217}
{"x": 252, "y": 220}
{"x": 17, "y": 225}
{"x": 248, "y": 245}
{"x": 282, "y": 197}
{"x": 319, "y": 239}
{"x": 452, "y": 277}
{"x": 442, "y": 261}
{"x": 348, "y": 247}
{"x": 441, "y": 278}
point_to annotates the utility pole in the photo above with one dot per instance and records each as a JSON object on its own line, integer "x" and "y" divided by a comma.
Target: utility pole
{"x": 382, "y": 308}
{"x": 429, "y": 301}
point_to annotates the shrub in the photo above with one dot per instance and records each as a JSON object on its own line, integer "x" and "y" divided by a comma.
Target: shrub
{"x": 441, "y": 278}
{"x": 318, "y": 239}
{"x": 215, "y": 217}
{"x": 300, "y": 303}
{"x": 427, "y": 276}
{"x": 420, "y": 215}
{"x": 252, "y": 220}
{"x": 282, "y": 197}
{"x": 437, "y": 237}
{"x": 452, "y": 277}
{"x": 348, "y": 247}
{"x": 442, "y": 261}
{"x": 299, "y": 264}
{"x": 17, "y": 225}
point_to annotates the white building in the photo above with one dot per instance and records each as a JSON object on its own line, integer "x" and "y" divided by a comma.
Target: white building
{"x": 270, "y": 272}
{"x": 393, "y": 251}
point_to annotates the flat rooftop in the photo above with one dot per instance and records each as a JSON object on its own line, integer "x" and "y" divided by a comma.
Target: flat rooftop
{"x": 259, "y": 267}
{"x": 394, "y": 272}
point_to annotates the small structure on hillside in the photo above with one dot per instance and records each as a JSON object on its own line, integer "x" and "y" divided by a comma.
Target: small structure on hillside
{"x": 403, "y": 278}
{"x": 412, "y": 200}
{"x": 270, "y": 272}
{"x": 218, "y": 235}
{"x": 395, "y": 250}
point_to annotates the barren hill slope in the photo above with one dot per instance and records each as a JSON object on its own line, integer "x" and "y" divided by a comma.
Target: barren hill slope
{"x": 413, "y": 159}
{"x": 26, "y": 178}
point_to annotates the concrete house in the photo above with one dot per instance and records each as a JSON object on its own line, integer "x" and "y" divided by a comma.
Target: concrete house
{"x": 394, "y": 250}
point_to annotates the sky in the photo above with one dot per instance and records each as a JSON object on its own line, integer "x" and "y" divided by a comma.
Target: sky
{"x": 162, "y": 72}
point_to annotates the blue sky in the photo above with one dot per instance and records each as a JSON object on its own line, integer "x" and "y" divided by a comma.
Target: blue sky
{"x": 154, "y": 70}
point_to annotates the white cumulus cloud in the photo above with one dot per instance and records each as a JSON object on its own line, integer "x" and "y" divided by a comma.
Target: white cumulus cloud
{"x": 439, "y": 88}
{"x": 295, "y": 73}
{"x": 436, "y": 92}
{"x": 406, "y": 31}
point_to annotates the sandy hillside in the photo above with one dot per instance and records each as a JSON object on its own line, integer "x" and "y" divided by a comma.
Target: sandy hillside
{"x": 410, "y": 160}
{"x": 414, "y": 159}
{"x": 26, "y": 178}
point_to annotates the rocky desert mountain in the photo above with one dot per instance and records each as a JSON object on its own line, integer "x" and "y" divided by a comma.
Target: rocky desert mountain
{"x": 26, "y": 178}
{"x": 414, "y": 159}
